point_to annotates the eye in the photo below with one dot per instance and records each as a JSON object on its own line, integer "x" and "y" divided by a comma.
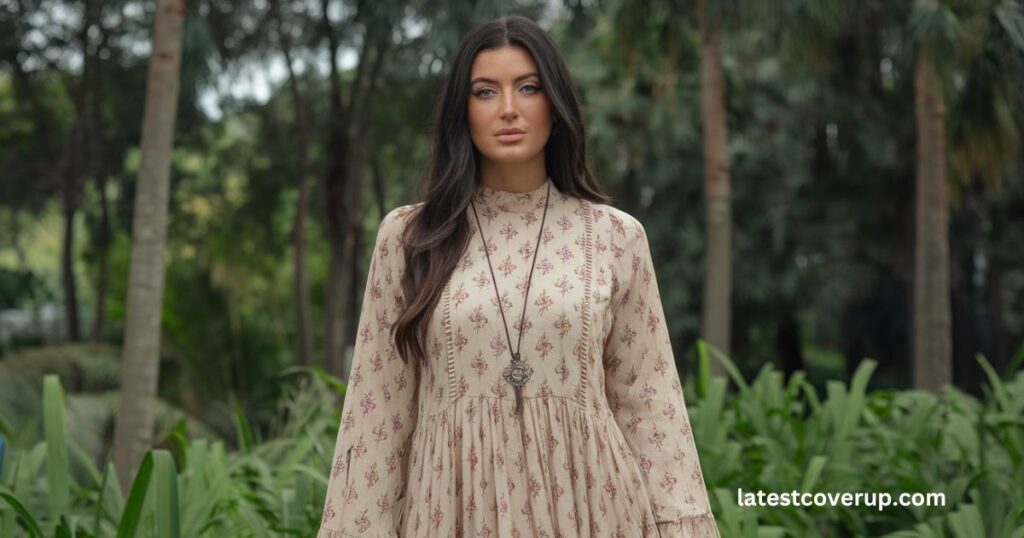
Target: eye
{"x": 533, "y": 88}
{"x": 480, "y": 92}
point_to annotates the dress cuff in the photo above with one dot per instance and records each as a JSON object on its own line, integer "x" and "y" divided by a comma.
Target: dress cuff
{"x": 330, "y": 533}
{"x": 326, "y": 533}
{"x": 702, "y": 526}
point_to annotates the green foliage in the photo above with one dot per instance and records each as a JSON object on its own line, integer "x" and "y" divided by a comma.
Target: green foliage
{"x": 779, "y": 435}
{"x": 196, "y": 489}
{"x": 770, "y": 434}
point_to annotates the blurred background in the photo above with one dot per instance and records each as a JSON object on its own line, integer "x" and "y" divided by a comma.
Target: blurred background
{"x": 830, "y": 187}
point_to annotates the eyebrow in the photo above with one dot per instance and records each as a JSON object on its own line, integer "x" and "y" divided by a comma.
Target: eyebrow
{"x": 492, "y": 81}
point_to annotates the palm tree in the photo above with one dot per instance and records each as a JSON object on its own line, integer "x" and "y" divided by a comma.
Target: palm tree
{"x": 717, "y": 304}
{"x": 932, "y": 347}
{"x": 985, "y": 43}
{"x": 141, "y": 353}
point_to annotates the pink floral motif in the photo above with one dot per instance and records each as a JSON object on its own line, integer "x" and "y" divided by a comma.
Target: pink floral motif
{"x": 384, "y": 504}
{"x": 544, "y": 346}
{"x": 647, "y": 394}
{"x": 633, "y": 422}
{"x": 668, "y": 482}
{"x": 479, "y": 364}
{"x": 478, "y": 319}
{"x": 498, "y": 345}
{"x": 628, "y": 336}
{"x": 338, "y": 467}
{"x": 543, "y": 302}
{"x": 367, "y": 403}
{"x": 362, "y": 522}
{"x": 371, "y": 475}
{"x": 507, "y": 267}
{"x": 328, "y": 513}
{"x": 564, "y": 285}
{"x": 563, "y": 325}
{"x": 482, "y": 280}
{"x": 509, "y": 231}
{"x": 380, "y": 433}
{"x": 646, "y": 464}
{"x": 656, "y": 437}
{"x": 565, "y": 253}
{"x": 460, "y": 294}
{"x": 525, "y": 251}
{"x": 461, "y": 341}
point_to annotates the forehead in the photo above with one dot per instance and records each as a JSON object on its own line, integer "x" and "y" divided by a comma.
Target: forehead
{"x": 505, "y": 63}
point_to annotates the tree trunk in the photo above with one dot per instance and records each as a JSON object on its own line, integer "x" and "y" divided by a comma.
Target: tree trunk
{"x": 99, "y": 320}
{"x": 379, "y": 188}
{"x": 932, "y": 346}
{"x": 69, "y": 171}
{"x": 788, "y": 342}
{"x": 716, "y": 309}
{"x": 334, "y": 187}
{"x": 300, "y": 282}
{"x": 141, "y": 360}
{"x": 67, "y": 263}
{"x": 304, "y": 333}
{"x": 346, "y": 159}
{"x": 98, "y": 169}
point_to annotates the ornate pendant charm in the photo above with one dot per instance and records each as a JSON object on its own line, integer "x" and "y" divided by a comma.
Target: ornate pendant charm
{"x": 517, "y": 372}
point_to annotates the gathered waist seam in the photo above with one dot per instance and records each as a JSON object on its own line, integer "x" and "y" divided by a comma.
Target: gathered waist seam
{"x": 570, "y": 399}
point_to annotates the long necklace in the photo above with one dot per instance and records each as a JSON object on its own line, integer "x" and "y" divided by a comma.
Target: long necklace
{"x": 517, "y": 372}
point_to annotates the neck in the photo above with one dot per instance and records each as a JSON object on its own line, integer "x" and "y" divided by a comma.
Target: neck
{"x": 514, "y": 177}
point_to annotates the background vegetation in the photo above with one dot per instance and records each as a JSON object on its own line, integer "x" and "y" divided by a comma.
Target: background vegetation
{"x": 867, "y": 240}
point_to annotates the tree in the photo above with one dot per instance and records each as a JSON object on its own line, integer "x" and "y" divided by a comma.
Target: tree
{"x": 933, "y": 364}
{"x": 141, "y": 354}
{"x": 346, "y": 160}
{"x": 716, "y": 308}
{"x": 300, "y": 281}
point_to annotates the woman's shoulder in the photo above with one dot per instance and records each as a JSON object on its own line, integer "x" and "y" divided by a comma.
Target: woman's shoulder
{"x": 615, "y": 221}
{"x": 395, "y": 220}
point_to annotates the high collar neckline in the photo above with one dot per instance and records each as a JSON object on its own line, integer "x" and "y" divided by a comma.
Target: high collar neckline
{"x": 516, "y": 202}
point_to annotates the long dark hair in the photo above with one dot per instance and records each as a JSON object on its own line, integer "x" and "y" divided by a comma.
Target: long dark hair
{"x": 436, "y": 236}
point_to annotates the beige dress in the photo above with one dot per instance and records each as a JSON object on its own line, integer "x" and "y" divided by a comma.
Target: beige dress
{"x": 604, "y": 448}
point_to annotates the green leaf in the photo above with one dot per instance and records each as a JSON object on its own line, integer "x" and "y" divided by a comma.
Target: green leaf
{"x": 730, "y": 367}
{"x": 165, "y": 487}
{"x": 57, "y": 468}
{"x": 966, "y": 522}
{"x": 813, "y": 472}
{"x": 136, "y": 498}
{"x": 30, "y": 522}
{"x": 1010, "y": 15}
{"x": 245, "y": 439}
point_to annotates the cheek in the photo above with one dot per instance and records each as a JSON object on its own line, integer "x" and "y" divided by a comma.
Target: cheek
{"x": 478, "y": 117}
{"x": 539, "y": 110}
{"x": 545, "y": 114}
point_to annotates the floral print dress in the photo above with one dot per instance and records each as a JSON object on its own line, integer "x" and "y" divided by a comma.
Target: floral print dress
{"x": 604, "y": 447}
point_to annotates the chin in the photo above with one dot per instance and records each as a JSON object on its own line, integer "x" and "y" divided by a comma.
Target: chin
{"x": 513, "y": 155}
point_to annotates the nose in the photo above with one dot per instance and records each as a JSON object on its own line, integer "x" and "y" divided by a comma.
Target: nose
{"x": 508, "y": 107}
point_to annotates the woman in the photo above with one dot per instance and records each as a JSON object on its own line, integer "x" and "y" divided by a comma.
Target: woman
{"x": 528, "y": 388}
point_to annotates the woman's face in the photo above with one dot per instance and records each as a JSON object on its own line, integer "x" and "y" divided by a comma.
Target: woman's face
{"x": 505, "y": 93}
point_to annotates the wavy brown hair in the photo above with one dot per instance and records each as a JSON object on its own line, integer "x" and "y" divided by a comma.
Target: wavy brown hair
{"x": 436, "y": 236}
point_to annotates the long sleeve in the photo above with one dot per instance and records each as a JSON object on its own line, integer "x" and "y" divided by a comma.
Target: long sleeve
{"x": 646, "y": 397}
{"x": 367, "y": 481}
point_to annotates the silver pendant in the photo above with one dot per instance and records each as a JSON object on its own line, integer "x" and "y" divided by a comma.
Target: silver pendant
{"x": 517, "y": 372}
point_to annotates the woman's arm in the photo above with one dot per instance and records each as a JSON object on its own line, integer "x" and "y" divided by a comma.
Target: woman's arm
{"x": 646, "y": 397}
{"x": 368, "y": 475}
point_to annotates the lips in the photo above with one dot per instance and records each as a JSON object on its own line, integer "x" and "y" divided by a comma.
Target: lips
{"x": 509, "y": 131}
